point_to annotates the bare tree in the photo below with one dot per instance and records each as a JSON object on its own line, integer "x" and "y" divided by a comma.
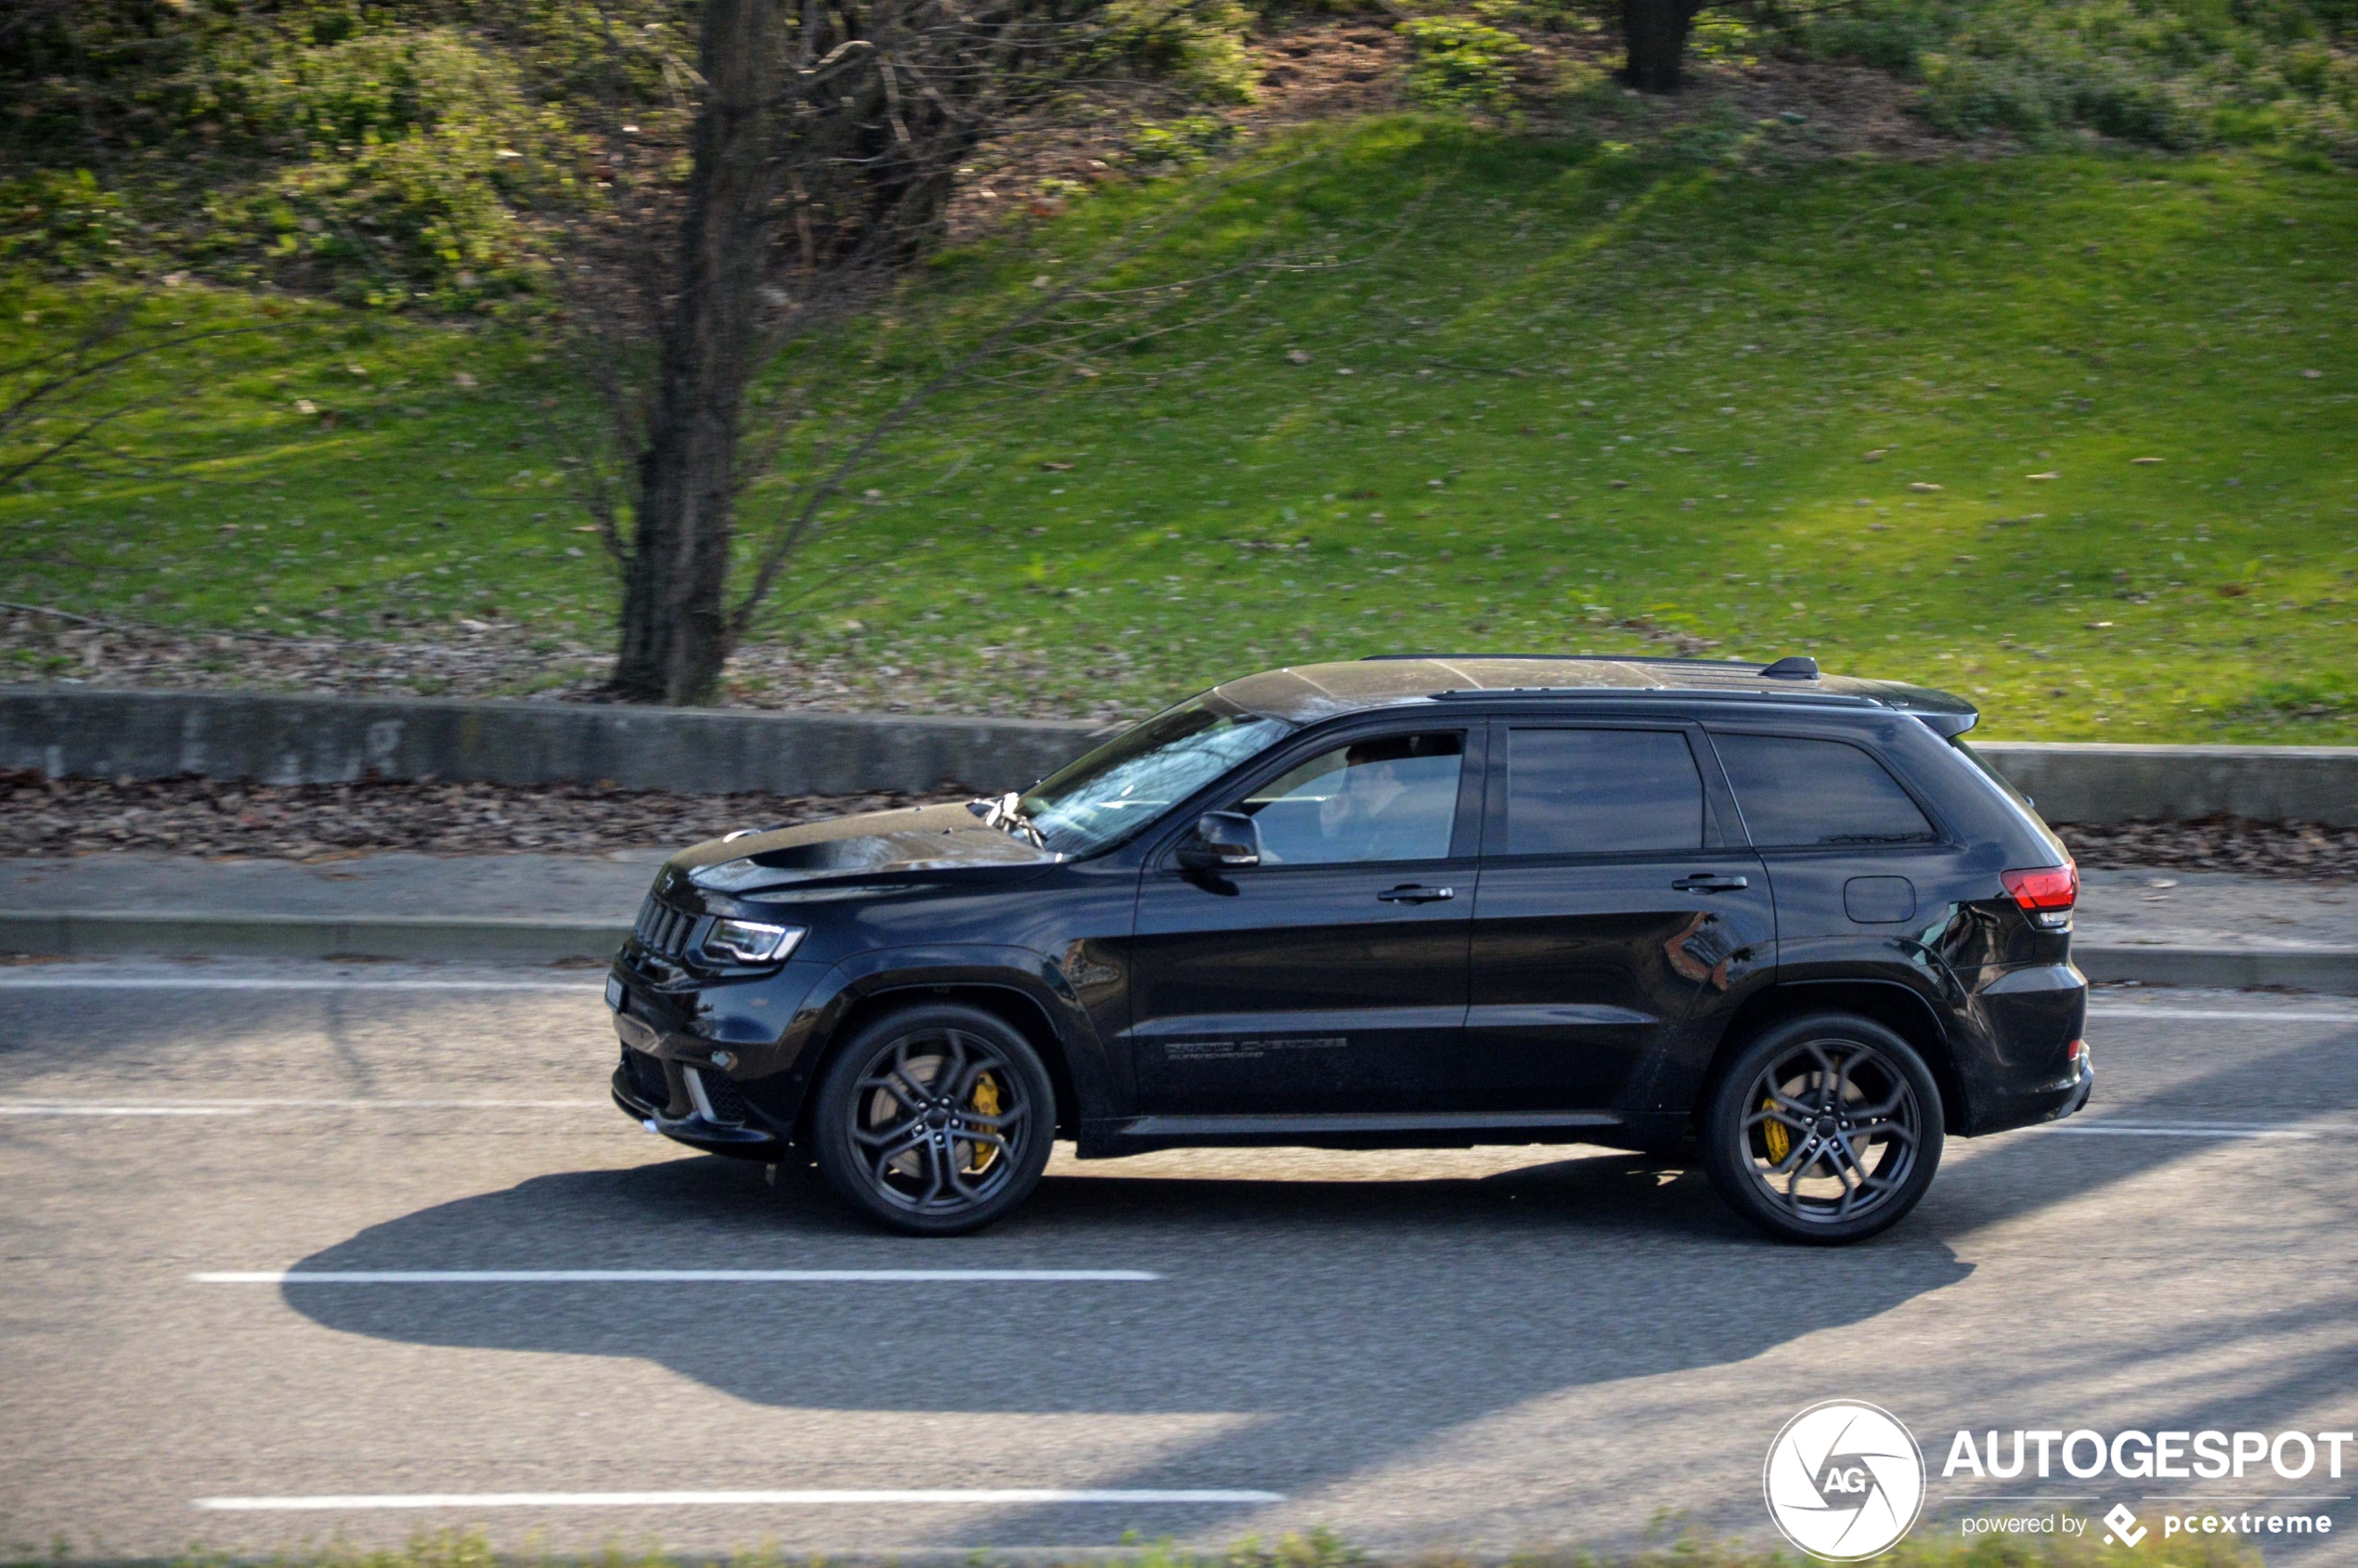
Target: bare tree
{"x": 824, "y": 142}
{"x": 1655, "y": 31}
{"x": 64, "y": 402}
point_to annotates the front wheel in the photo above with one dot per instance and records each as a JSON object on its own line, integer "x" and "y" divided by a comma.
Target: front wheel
{"x": 1824, "y": 1129}
{"x": 934, "y": 1121}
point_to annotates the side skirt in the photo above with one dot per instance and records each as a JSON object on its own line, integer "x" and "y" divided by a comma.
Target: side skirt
{"x": 1351, "y": 1130}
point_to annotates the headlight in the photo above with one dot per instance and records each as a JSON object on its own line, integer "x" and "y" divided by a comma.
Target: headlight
{"x": 749, "y": 942}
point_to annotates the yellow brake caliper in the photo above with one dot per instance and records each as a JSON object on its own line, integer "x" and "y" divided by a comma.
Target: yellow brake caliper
{"x": 1774, "y": 1134}
{"x": 984, "y": 1102}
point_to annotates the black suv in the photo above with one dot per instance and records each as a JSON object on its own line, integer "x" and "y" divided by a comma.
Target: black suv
{"x": 1418, "y": 901}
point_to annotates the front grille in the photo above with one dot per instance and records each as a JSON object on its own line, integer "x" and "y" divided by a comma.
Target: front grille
{"x": 662, "y": 928}
{"x": 646, "y": 1078}
{"x": 728, "y": 1105}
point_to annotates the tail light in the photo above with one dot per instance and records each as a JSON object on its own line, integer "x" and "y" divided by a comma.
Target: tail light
{"x": 2045, "y": 893}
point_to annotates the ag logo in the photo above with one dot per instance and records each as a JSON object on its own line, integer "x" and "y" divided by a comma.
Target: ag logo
{"x": 1844, "y": 1479}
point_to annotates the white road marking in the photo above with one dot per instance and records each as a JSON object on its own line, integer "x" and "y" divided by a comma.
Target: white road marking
{"x": 243, "y": 1108}
{"x": 264, "y": 982}
{"x": 2252, "y": 1015}
{"x": 667, "y": 1275}
{"x": 29, "y": 1109}
{"x": 2190, "y": 1130}
{"x": 975, "y": 1498}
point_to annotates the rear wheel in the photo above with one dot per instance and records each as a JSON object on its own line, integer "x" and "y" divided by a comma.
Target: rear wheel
{"x": 1824, "y": 1129}
{"x": 936, "y": 1120}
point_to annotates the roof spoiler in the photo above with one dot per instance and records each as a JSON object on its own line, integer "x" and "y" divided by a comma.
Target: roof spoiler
{"x": 1948, "y": 726}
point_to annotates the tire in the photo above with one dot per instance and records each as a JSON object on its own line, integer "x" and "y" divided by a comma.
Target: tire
{"x": 887, "y": 1142}
{"x": 1839, "y": 1084}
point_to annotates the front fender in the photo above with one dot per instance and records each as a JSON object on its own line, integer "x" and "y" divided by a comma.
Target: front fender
{"x": 950, "y": 969}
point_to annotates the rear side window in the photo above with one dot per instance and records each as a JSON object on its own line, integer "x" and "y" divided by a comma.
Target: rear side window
{"x": 1588, "y": 792}
{"x": 1797, "y": 792}
{"x": 1992, "y": 774}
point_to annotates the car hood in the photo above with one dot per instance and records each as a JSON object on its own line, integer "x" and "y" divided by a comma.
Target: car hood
{"x": 850, "y": 854}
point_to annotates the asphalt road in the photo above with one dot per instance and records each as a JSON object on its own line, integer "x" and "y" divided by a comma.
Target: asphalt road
{"x": 1481, "y": 1351}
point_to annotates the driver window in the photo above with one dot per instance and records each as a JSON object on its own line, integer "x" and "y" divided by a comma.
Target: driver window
{"x": 1393, "y": 797}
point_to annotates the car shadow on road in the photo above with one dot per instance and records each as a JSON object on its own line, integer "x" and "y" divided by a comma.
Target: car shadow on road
{"x": 1334, "y": 1324}
{"x": 1338, "y": 1325}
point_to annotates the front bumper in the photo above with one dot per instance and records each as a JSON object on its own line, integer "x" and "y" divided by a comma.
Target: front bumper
{"x": 696, "y": 1129}
{"x": 701, "y": 1063}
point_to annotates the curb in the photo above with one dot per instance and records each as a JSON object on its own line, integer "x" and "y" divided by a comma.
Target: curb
{"x": 519, "y": 939}
{"x": 2226, "y": 968}
{"x": 113, "y": 935}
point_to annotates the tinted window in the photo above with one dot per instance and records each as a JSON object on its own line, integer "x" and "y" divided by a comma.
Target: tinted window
{"x": 1594, "y": 791}
{"x": 1392, "y": 798}
{"x": 1816, "y": 792}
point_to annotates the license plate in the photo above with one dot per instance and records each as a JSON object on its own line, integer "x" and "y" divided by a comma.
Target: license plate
{"x": 614, "y": 994}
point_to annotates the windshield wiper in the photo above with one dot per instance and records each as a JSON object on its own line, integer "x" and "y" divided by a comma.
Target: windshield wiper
{"x": 1006, "y": 812}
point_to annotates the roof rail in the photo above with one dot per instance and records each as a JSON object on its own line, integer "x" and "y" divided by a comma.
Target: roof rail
{"x": 1607, "y": 694}
{"x": 1571, "y": 658}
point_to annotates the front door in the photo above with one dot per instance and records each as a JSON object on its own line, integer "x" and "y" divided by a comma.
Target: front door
{"x": 1610, "y": 909}
{"x": 1332, "y": 978}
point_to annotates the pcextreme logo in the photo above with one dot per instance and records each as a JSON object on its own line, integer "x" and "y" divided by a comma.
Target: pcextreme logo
{"x": 1844, "y": 1479}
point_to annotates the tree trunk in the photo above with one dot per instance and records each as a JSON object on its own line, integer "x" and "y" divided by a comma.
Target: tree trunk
{"x": 1656, "y": 34}
{"x": 675, "y": 631}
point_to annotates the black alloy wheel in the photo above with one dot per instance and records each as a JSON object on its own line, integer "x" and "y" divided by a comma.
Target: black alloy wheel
{"x": 1824, "y": 1129}
{"x": 936, "y": 1120}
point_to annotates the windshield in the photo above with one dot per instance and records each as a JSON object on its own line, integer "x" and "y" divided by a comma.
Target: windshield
{"x": 1125, "y": 784}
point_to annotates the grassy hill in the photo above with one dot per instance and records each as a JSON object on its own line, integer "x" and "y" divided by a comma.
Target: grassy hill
{"x": 2071, "y": 433}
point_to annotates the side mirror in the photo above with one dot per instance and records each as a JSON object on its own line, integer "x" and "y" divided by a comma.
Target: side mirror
{"x": 1222, "y": 841}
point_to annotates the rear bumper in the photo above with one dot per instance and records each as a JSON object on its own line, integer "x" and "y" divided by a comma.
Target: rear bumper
{"x": 2022, "y": 1069}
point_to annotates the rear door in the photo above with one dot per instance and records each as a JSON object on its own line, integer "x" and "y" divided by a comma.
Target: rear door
{"x": 1332, "y": 978}
{"x": 1616, "y": 905}
{"x": 1858, "y": 863}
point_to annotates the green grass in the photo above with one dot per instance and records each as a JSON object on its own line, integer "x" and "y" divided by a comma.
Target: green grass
{"x": 1599, "y": 398}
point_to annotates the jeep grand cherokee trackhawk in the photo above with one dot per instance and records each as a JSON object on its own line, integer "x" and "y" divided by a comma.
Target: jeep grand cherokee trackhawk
{"x": 1416, "y": 901}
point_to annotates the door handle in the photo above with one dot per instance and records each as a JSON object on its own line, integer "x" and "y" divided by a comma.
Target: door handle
{"x": 1411, "y": 893}
{"x": 1710, "y": 882}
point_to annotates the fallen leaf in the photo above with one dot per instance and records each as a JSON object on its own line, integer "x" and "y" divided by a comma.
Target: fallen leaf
{"x": 2144, "y": 459}
{"x": 463, "y": 382}
{"x": 1056, "y": 467}
{"x": 1298, "y": 355}
{"x": 2098, "y": 626}
{"x": 1875, "y": 456}
{"x": 2042, "y": 476}
{"x": 2233, "y": 590}
{"x": 2312, "y": 375}
{"x": 1920, "y": 486}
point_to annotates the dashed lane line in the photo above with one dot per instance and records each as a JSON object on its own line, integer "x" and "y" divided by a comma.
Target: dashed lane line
{"x": 993, "y": 1497}
{"x": 676, "y": 1275}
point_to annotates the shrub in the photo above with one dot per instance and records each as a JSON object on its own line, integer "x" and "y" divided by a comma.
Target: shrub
{"x": 2176, "y": 73}
{"x": 1461, "y": 63}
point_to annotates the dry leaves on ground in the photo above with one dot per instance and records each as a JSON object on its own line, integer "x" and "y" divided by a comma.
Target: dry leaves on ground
{"x": 191, "y": 816}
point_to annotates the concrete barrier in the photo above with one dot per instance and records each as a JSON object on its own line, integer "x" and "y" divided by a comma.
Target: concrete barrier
{"x": 68, "y": 732}
{"x": 2073, "y": 783}
{"x": 289, "y": 739}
